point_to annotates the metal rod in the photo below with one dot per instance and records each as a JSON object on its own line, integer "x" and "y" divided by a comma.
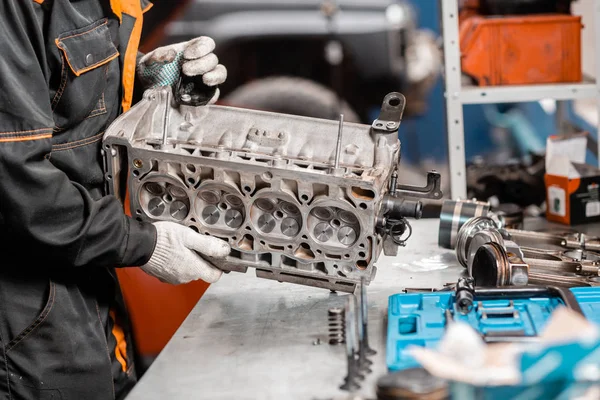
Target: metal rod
{"x": 338, "y": 148}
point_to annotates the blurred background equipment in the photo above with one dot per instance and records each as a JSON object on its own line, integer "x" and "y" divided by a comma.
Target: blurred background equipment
{"x": 299, "y": 57}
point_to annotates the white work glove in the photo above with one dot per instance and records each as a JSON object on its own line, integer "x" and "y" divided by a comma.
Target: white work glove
{"x": 163, "y": 66}
{"x": 177, "y": 255}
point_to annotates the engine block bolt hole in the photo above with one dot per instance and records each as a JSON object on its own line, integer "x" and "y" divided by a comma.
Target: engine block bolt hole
{"x": 191, "y": 168}
{"x": 362, "y": 254}
{"x": 136, "y": 172}
{"x": 362, "y": 264}
{"x": 304, "y": 197}
{"x": 304, "y": 237}
{"x": 138, "y": 212}
{"x": 362, "y": 206}
{"x": 346, "y": 255}
{"x": 247, "y": 189}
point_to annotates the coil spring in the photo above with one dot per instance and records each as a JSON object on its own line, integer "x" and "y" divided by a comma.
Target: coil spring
{"x": 336, "y": 317}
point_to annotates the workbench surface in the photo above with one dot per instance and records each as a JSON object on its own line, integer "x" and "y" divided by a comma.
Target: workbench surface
{"x": 251, "y": 338}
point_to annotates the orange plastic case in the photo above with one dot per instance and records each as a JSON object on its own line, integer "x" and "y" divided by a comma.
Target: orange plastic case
{"x": 520, "y": 50}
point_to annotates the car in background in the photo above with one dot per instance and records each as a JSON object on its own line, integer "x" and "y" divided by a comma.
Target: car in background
{"x": 309, "y": 57}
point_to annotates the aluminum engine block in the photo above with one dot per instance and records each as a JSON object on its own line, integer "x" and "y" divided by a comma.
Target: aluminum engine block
{"x": 267, "y": 183}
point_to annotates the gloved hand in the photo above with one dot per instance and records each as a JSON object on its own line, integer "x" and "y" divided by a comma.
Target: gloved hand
{"x": 177, "y": 255}
{"x": 163, "y": 66}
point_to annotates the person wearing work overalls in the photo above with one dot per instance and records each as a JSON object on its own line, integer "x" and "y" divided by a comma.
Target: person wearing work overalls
{"x": 67, "y": 70}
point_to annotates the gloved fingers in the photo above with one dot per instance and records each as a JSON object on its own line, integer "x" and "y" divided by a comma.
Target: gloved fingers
{"x": 217, "y": 76}
{"x": 215, "y": 97}
{"x": 207, "y": 245}
{"x": 200, "y": 66}
{"x": 199, "y": 47}
{"x": 161, "y": 55}
{"x": 207, "y": 271}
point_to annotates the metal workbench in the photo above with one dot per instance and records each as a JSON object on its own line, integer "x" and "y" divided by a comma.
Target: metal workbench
{"x": 251, "y": 338}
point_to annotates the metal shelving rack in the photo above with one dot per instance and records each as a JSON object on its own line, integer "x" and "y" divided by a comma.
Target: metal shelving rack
{"x": 457, "y": 95}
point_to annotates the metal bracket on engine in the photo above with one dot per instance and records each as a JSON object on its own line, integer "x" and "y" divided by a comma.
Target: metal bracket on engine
{"x": 433, "y": 189}
{"x": 391, "y": 112}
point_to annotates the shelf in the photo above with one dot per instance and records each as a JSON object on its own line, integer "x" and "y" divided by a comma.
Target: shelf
{"x": 526, "y": 93}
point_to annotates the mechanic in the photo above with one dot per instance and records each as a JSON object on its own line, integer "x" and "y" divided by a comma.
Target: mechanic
{"x": 67, "y": 70}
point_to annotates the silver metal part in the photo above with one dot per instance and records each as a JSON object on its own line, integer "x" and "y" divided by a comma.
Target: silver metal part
{"x": 468, "y": 231}
{"x": 454, "y": 214}
{"x": 295, "y": 198}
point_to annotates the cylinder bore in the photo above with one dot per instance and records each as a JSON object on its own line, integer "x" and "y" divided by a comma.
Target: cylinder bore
{"x": 220, "y": 208}
{"x": 163, "y": 198}
{"x": 333, "y": 226}
{"x": 276, "y": 217}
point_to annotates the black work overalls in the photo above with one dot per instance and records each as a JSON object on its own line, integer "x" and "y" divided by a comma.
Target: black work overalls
{"x": 66, "y": 72}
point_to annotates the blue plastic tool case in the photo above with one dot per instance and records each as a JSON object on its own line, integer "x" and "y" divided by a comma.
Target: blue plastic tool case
{"x": 420, "y": 318}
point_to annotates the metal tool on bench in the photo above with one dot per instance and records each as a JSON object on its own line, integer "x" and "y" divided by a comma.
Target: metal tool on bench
{"x": 357, "y": 339}
{"x": 456, "y": 213}
{"x": 492, "y": 258}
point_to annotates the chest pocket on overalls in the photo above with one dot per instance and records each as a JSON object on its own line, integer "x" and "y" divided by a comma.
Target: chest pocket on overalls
{"x": 85, "y": 54}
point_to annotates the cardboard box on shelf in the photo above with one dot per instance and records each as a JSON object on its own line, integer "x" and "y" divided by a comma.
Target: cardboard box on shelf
{"x": 572, "y": 186}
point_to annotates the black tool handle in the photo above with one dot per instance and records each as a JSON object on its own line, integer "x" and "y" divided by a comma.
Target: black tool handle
{"x": 192, "y": 91}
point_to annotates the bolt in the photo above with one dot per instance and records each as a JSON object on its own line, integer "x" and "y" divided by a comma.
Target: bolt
{"x": 138, "y": 163}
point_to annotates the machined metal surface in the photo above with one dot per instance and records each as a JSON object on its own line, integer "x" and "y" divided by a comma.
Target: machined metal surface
{"x": 299, "y": 199}
{"x": 454, "y": 214}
